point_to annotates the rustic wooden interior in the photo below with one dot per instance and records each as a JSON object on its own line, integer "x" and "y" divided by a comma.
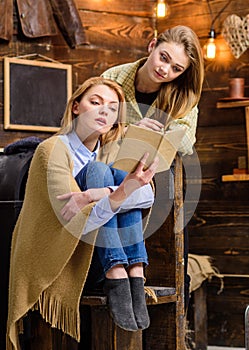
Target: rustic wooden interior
{"x": 118, "y": 32}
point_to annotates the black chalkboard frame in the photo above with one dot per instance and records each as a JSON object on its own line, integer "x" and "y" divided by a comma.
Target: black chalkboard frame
{"x": 35, "y": 94}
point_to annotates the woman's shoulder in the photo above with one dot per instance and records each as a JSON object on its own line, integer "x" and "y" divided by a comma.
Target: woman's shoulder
{"x": 52, "y": 147}
{"x": 51, "y": 142}
{"x": 123, "y": 72}
{"x": 114, "y": 72}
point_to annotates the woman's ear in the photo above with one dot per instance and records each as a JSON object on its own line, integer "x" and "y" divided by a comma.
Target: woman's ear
{"x": 152, "y": 45}
{"x": 75, "y": 108}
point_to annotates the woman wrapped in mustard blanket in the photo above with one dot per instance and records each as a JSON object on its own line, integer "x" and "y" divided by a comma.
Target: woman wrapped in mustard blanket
{"x": 49, "y": 259}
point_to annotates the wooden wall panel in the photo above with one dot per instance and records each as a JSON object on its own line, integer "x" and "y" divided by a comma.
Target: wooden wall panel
{"x": 210, "y": 116}
{"x": 196, "y": 14}
{"x": 227, "y": 311}
{"x": 222, "y": 234}
{"x": 135, "y": 8}
{"x": 117, "y": 31}
{"x": 91, "y": 61}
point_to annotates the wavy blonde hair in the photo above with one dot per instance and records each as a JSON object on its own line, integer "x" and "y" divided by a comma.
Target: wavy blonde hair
{"x": 69, "y": 119}
{"x": 179, "y": 96}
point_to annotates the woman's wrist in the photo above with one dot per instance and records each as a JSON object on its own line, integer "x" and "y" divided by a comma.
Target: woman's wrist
{"x": 95, "y": 194}
{"x": 117, "y": 197}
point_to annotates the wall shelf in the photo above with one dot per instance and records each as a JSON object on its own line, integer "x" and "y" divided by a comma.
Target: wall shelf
{"x": 235, "y": 104}
{"x": 235, "y": 177}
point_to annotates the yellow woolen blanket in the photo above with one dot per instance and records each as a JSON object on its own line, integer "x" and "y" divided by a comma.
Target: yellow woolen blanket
{"x": 49, "y": 263}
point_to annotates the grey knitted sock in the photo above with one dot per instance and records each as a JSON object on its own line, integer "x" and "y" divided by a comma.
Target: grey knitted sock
{"x": 139, "y": 302}
{"x": 120, "y": 302}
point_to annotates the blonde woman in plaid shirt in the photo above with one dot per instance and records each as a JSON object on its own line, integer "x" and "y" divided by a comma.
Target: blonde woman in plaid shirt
{"x": 162, "y": 91}
{"x": 169, "y": 80}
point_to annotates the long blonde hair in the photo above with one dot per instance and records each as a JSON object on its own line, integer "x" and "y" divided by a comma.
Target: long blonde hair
{"x": 179, "y": 96}
{"x": 69, "y": 119}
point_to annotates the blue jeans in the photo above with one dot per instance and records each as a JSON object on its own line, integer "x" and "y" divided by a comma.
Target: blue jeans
{"x": 120, "y": 240}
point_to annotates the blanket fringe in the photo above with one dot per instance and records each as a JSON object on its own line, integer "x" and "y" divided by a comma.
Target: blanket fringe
{"x": 58, "y": 315}
{"x": 20, "y": 327}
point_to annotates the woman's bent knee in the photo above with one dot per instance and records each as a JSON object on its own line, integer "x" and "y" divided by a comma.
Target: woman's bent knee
{"x": 99, "y": 174}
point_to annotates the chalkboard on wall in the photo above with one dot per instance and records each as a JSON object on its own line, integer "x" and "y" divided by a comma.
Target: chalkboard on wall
{"x": 35, "y": 94}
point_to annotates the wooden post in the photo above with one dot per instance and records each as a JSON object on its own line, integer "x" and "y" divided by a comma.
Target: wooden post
{"x": 179, "y": 249}
{"x": 106, "y": 335}
{"x": 200, "y": 317}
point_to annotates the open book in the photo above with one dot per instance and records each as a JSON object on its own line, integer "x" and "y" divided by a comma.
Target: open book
{"x": 139, "y": 140}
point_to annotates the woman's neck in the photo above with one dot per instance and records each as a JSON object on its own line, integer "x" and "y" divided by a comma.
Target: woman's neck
{"x": 89, "y": 142}
{"x": 143, "y": 83}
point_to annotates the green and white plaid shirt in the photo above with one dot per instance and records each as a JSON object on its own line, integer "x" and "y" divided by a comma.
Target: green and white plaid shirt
{"x": 125, "y": 75}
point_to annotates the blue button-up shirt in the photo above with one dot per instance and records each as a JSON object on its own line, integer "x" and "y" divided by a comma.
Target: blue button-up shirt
{"x": 81, "y": 155}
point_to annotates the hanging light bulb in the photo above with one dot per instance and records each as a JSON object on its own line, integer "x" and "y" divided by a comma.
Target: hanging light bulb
{"x": 210, "y": 47}
{"x": 162, "y": 9}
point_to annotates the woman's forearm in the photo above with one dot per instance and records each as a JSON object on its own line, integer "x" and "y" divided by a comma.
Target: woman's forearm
{"x": 118, "y": 196}
{"x": 133, "y": 182}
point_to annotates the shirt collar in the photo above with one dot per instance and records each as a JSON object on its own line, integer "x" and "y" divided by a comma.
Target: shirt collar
{"x": 77, "y": 145}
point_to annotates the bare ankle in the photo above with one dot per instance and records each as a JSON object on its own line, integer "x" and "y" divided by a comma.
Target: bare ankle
{"x": 136, "y": 270}
{"x": 117, "y": 271}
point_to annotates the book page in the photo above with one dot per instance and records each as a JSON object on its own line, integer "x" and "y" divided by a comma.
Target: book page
{"x": 138, "y": 141}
